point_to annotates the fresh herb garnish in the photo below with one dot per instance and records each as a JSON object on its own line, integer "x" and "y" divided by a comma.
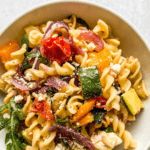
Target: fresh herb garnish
{"x": 13, "y": 140}
{"x": 31, "y": 56}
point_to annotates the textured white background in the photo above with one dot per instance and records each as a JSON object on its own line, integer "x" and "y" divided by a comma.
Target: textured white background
{"x": 137, "y": 12}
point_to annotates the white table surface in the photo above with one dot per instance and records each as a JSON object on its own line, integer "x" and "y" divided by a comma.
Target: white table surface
{"x": 137, "y": 12}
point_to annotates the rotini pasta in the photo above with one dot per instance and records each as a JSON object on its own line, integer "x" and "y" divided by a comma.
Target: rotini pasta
{"x": 119, "y": 128}
{"x": 69, "y": 88}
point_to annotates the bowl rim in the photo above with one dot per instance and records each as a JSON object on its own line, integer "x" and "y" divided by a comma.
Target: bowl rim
{"x": 92, "y": 3}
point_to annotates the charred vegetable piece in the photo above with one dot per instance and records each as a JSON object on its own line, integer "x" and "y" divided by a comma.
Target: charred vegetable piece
{"x": 43, "y": 108}
{"x": 101, "y": 59}
{"x": 84, "y": 110}
{"x": 86, "y": 119}
{"x": 89, "y": 78}
{"x": 70, "y": 134}
{"x": 56, "y": 49}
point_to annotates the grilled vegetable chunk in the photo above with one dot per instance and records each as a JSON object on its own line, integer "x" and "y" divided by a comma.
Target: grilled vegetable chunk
{"x": 89, "y": 78}
{"x": 132, "y": 101}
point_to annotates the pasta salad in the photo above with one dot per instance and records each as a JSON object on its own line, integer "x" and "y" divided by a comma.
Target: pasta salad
{"x": 68, "y": 87}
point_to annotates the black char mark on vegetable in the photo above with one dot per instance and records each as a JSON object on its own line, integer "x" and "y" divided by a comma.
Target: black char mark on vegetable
{"x": 71, "y": 134}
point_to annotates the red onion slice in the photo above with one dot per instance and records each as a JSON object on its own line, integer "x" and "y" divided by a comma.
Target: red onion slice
{"x": 90, "y": 36}
{"x": 20, "y": 83}
{"x": 56, "y": 83}
{"x": 59, "y": 25}
{"x": 70, "y": 134}
{"x": 53, "y": 27}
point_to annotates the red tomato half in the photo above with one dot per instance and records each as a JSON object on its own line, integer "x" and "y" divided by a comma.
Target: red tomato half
{"x": 100, "y": 102}
{"x": 56, "y": 49}
{"x": 43, "y": 108}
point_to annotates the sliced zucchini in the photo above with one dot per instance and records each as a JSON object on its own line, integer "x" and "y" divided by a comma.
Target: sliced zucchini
{"x": 90, "y": 82}
{"x": 132, "y": 101}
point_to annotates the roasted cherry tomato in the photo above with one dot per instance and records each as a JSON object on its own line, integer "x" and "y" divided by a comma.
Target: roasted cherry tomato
{"x": 56, "y": 49}
{"x": 100, "y": 102}
{"x": 43, "y": 108}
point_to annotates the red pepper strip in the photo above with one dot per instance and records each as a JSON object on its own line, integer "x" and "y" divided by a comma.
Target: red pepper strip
{"x": 89, "y": 36}
{"x": 56, "y": 49}
{"x": 43, "y": 108}
{"x": 100, "y": 102}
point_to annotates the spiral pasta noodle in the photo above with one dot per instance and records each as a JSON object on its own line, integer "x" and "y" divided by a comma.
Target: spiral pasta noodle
{"x": 34, "y": 35}
{"x": 59, "y": 101}
{"x": 17, "y": 58}
{"x": 36, "y": 131}
{"x": 109, "y": 91}
{"x": 136, "y": 77}
{"x": 101, "y": 29}
{"x": 56, "y": 69}
{"x": 119, "y": 128}
{"x": 68, "y": 87}
{"x": 74, "y": 103}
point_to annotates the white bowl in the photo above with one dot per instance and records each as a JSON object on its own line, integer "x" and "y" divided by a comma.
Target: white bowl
{"x": 131, "y": 43}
